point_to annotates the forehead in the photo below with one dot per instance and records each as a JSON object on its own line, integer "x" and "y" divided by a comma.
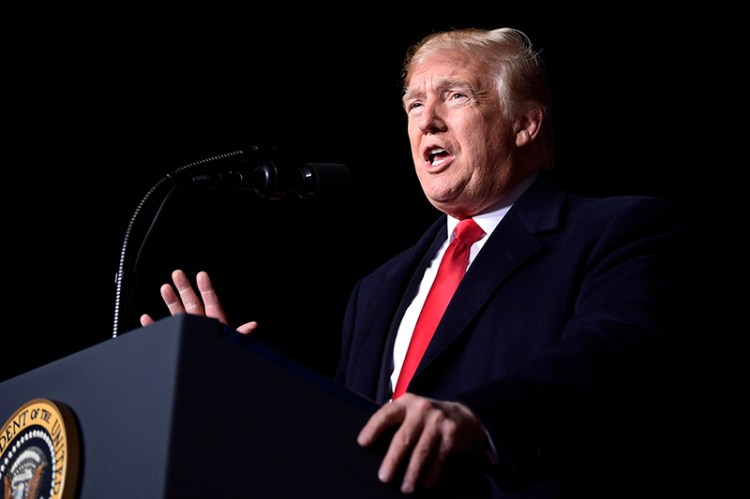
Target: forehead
{"x": 446, "y": 67}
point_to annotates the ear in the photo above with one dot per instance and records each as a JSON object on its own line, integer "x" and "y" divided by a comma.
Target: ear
{"x": 528, "y": 126}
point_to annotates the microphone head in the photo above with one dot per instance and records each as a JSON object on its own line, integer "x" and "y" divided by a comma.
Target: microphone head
{"x": 266, "y": 181}
{"x": 310, "y": 181}
{"x": 321, "y": 181}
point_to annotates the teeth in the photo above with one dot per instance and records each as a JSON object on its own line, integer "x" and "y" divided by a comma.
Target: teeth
{"x": 432, "y": 153}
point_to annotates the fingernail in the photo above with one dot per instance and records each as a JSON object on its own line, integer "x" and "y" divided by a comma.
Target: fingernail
{"x": 384, "y": 474}
{"x": 407, "y": 487}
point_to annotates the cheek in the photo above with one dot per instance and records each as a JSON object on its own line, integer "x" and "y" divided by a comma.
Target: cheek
{"x": 474, "y": 146}
{"x": 494, "y": 146}
{"x": 414, "y": 142}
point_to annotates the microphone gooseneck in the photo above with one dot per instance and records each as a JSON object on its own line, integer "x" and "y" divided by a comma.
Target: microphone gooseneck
{"x": 229, "y": 170}
{"x": 123, "y": 268}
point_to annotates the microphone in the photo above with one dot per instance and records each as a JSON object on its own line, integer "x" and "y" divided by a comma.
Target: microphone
{"x": 310, "y": 181}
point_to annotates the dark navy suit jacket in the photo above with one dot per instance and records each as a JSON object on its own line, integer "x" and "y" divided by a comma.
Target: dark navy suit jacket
{"x": 558, "y": 338}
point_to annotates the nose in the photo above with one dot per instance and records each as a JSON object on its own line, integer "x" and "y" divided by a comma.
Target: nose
{"x": 431, "y": 118}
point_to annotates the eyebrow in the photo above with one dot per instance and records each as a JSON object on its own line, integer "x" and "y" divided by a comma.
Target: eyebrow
{"x": 442, "y": 85}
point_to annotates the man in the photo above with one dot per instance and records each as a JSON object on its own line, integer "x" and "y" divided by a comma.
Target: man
{"x": 548, "y": 353}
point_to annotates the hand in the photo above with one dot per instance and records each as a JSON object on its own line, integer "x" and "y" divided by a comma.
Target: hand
{"x": 188, "y": 301}
{"x": 430, "y": 432}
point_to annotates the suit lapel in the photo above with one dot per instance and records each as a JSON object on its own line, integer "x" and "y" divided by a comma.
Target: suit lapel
{"x": 511, "y": 244}
{"x": 405, "y": 281}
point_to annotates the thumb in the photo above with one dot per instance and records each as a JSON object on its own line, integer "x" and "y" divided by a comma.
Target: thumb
{"x": 248, "y": 328}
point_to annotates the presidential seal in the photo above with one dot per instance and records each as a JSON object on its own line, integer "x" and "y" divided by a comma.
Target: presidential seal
{"x": 39, "y": 452}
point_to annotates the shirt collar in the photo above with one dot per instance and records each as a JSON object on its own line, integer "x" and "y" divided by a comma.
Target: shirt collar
{"x": 491, "y": 217}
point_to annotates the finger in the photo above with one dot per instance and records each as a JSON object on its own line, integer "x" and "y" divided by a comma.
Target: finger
{"x": 429, "y": 456}
{"x": 213, "y": 307}
{"x": 248, "y": 328}
{"x": 387, "y": 415}
{"x": 421, "y": 455}
{"x": 146, "y": 320}
{"x": 191, "y": 303}
{"x": 401, "y": 445}
{"x": 451, "y": 428}
{"x": 434, "y": 465}
{"x": 173, "y": 302}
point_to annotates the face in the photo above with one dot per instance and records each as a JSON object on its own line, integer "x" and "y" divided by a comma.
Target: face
{"x": 462, "y": 146}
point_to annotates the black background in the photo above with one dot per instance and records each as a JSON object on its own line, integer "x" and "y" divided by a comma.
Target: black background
{"x": 100, "y": 106}
{"x": 102, "y": 109}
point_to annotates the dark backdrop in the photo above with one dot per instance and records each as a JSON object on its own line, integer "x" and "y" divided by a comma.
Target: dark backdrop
{"x": 100, "y": 106}
{"x": 103, "y": 109}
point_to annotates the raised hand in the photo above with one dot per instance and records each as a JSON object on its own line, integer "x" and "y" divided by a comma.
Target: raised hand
{"x": 182, "y": 298}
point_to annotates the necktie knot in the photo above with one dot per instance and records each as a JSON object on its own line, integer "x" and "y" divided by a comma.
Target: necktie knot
{"x": 468, "y": 231}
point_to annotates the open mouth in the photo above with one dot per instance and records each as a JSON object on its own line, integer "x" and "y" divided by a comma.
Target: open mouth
{"x": 436, "y": 156}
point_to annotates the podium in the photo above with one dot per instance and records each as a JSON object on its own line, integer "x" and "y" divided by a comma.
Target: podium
{"x": 186, "y": 408}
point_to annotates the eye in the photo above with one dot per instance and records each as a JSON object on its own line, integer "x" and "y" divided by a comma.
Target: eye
{"x": 457, "y": 96}
{"x": 413, "y": 105}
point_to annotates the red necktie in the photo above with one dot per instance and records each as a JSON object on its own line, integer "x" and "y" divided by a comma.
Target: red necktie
{"x": 449, "y": 274}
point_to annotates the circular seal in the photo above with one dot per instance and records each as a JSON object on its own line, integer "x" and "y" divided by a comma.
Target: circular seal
{"x": 39, "y": 452}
